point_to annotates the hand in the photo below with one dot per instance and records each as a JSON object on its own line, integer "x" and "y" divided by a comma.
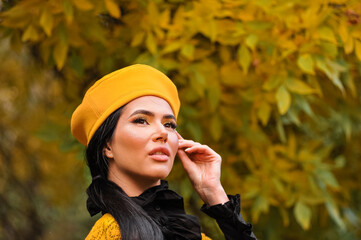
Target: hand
{"x": 203, "y": 166}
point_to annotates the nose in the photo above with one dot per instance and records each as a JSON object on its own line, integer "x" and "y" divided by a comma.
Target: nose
{"x": 160, "y": 134}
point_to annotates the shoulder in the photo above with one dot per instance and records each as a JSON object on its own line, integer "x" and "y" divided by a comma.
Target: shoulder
{"x": 106, "y": 228}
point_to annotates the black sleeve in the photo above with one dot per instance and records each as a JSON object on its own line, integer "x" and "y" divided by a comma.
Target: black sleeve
{"x": 230, "y": 220}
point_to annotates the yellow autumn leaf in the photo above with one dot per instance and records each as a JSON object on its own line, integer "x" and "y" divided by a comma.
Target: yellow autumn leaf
{"x": 343, "y": 32}
{"x": 216, "y": 128}
{"x": 83, "y": 5}
{"x": 214, "y": 96}
{"x": 172, "y": 47}
{"x": 231, "y": 75}
{"x": 349, "y": 45}
{"x": 264, "y": 113}
{"x": 244, "y": 58}
{"x": 272, "y": 83}
{"x": 326, "y": 33}
{"x": 152, "y": 10}
{"x": 350, "y": 83}
{"x": 151, "y": 44}
{"x": 15, "y": 43}
{"x": 302, "y": 214}
{"x": 46, "y": 21}
{"x": 284, "y": 215}
{"x": 225, "y": 54}
{"x": 251, "y": 41}
{"x": 164, "y": 18}
{"x": 60, "y": 53}
{"x": 68, "y": 10}
{"x": 283, "y": 98}
{"x": 30, "y": 34}
{"x": 358, "y": 49}
{"x": 188, "y": 50}
{"x": 113, "y": 8}
{"x": 305, "y": 62}
{"x": 298, "y": 86}
{"x": 137, "y": 39}
{"x": 332, "y": 72}
{"x": 356, "y": 34}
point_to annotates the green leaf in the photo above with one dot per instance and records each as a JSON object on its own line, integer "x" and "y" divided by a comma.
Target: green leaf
{"x": 335, "y": 213}
{"x": 328, "y": 178}
{"x": 76, "y": 62}
{"x": 302, "y": 214}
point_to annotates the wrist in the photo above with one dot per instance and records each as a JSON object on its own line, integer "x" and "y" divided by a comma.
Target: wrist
{"x": 213, "y": 196}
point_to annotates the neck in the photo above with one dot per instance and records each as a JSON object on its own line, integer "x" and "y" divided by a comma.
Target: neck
{"x": 132, "y": 186}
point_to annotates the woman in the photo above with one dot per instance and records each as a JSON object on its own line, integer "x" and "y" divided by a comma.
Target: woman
{"x": 127, "y": 120}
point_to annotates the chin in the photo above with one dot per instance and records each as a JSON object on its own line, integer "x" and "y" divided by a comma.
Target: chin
{"x": 160, "y": 174}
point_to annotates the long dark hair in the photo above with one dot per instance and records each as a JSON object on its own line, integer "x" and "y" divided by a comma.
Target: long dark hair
{"x": 107, "y": 197}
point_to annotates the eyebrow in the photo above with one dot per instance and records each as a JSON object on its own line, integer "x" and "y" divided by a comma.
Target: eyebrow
{"x": 151, "y": 114}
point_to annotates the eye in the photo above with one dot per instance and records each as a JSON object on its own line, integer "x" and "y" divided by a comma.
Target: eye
{"x": 140, "y": 121}
{"x": 171, "y": 125}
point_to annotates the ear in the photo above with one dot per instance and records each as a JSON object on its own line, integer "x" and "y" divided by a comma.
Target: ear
{"x": 108, "y": 151}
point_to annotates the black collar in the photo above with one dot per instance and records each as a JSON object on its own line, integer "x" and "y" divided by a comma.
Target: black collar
{"x": 166, "y": 208}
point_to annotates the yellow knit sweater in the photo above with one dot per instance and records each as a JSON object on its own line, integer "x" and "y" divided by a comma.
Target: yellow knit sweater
{"x": 106, "y": 228}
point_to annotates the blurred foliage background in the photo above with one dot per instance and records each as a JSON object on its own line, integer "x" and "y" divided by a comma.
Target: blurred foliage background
{"x": 273, "y": 86}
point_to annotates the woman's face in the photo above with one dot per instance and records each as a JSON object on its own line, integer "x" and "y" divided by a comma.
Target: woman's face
{"x": 144, "y": 142}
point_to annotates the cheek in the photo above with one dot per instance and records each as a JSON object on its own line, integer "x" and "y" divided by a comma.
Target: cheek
{"x": 131, "y": 140}
{"x": 173, "y": 142}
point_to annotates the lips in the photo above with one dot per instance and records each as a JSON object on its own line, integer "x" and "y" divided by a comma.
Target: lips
{"x": 160, "y": 154}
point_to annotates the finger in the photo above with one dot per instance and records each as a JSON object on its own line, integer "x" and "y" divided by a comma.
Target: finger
{"x": 179, "y": 136}
{"x": 204, "y": 150}
{"x": 198, "y": 149}
{"x": 182, "y": 154}
{"x": 184, "y": 158}
{"x": 187, "y": 163}
{"x": 187, "y": 144}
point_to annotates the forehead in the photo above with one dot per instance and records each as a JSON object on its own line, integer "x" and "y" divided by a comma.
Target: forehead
{"x": 150, "y": 103}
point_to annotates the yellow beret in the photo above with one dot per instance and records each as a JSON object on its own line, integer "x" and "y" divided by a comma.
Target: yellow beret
{"x": 115, "y": 90}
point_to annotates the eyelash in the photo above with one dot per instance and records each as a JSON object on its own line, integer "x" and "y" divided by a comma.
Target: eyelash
{"x": 142, "y": 121}
{"x": 171, "y": 125}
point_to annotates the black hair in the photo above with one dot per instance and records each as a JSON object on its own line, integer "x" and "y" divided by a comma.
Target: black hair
{"x": 107, "y": 197}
